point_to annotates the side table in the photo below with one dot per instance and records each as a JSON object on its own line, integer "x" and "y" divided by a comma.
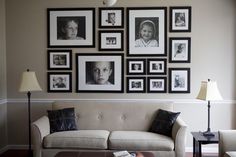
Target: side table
{"x": 199, "y": 140}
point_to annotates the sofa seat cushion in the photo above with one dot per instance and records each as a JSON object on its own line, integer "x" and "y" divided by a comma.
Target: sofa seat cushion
{"x": 91, "y": 139}
{"x": 140, "y": 140}
{"x": 230, "y": 154}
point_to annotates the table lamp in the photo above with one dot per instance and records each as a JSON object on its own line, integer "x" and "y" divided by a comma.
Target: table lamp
{"x": 28, "y": 84}
{"x": 208, "y": 92}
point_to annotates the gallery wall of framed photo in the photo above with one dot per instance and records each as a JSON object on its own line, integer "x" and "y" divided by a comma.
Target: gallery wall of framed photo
{"x": 151, "y": 63}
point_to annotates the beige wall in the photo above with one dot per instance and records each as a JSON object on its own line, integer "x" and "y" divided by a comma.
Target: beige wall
{"x": 213, "y": 56}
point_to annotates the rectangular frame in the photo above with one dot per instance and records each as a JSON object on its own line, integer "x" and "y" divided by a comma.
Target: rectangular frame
{"x": 136, "y": 85}
{"x": 180, "y": 50}
{"x": 136, "y": 66}
{"x": 155, "y": 18}
{"x": 179, "y": 80}
{"x": 156, "y": 66}
{"x": 89, "y": 79}
{"x": 81, "y": 30}
{"x": 111, "y": 17}
{"x": 59, "y": 59}
{"x": 59, "y": 82}
{"x": 156, "y": 84}
{"x": 111, "y": 40}
{"x": 180, "y": 19}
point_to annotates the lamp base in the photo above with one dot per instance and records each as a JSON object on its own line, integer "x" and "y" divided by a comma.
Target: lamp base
{"x": 208, "y": 134}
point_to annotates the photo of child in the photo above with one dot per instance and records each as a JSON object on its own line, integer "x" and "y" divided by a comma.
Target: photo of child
{"x": 147, "y": 35}
{"x": 179, "y": 19}
{"x": 100, "y": 73}
{"x": 59, "y": 82}
{"x": 71, "y": 28}
{"x": 59, "y": 60}
{"x": 111, "y": 18}
{"x": 180, "y": 50}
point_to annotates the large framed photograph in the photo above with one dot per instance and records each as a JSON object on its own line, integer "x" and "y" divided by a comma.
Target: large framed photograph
{"x": 59, "y": 82}
{"x": 146, "y": 31}
{"x": 111, "y": 17}
{"x": 59, "y": 59}
{"x": 71, "y": 27}
{"x": 111, "y": 40}
{"x": 179, "y": 80}
{"x": 136, "y": 85}
{"x": 99, "y": 72}
{"x": 156, "y": 66}
{"x": 156, "y": 85}
{"x": 136, "y": 66}
{"x": 180, "y": 50}
{"x": 180, "y": 19}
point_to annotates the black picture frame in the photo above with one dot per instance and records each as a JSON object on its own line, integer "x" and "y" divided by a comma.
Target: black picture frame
{"x": 157, "y": 84}
{"x": 88, "y": 69}
{"x": 154, "y": 18}
{"x": 111, "y": 40}
{"x": 136, "y": 66}
{"x": 111, "y": 17}
{"x": 59, "y": 82}
{"x": 59, "y": 59}
{"x": 136, "y": 84}
{"x": 179, "y": 80}
{"x": 180, "y": 50}
{"x": 156, "y": 66}
{"x": 81, "y": 31}
{"x": 180, "y": 19}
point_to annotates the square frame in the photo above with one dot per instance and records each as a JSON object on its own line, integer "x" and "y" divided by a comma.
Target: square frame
{"x": 156, "y": 20}
{"x": 136, "y": 85}
{"x": 111, "y": 40}
{"x": 179, "y": 80}
{"x": 81, "y": 31}
{"x": 180, "y": 19}
{"x": 156, "y": 66}
{"x": 111, "y": 17}
{"x": 59, "y": 82}
{"x": 136, "y": 66}
{"x": 89, "y": 79}
{"x": 180, "y": 50}
{"x": 59, "y": 59}
{"x": 156, "y": 84}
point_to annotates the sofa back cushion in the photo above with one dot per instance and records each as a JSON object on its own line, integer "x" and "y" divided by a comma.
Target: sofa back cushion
{"x": 114, "y": 114}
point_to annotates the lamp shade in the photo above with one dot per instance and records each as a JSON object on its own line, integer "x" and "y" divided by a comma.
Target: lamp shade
{"x": 109, "y": 3}
{"x": 29, "y": 82}
{"x": 209, "y": 91}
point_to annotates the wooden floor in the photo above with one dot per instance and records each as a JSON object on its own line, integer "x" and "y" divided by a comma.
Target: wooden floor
{"x": 24, "y": 153}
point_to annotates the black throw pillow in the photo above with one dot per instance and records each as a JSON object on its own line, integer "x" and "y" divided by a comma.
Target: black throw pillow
{"x": 164, "y": 122}
{"x": 62, "y": 120}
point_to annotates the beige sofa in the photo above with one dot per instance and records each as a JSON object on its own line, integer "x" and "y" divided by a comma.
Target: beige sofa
{"x": 108, "y": 126}
{"x": 227, "y": 143}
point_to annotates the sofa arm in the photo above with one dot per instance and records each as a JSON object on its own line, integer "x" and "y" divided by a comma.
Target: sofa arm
{"x": 179, "y": 135}
{"x": 40, "y": 129}
{"x": 227, "y": 141}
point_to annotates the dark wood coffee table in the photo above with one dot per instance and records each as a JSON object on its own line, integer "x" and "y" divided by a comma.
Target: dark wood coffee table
{"x": 95, "y": 154}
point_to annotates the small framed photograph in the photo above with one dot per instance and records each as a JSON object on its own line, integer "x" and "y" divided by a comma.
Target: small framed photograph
{"x": 59, "y": 59}
{"x": 146, "y": 19}
{"x": 111, "y": 40}
{"x": 136, "y": 85}
{"x": 101, "y": 73}
{"x": 156, "y": 66}
{"x": 179, "y": 80}
{"x": 157, "y": 85}
{"x": 180, "y": 50}
{"x": 59, "y": 82}
{"x": 111, "y": 17}
{"x": 71, "y": 27}
{"x": 136, "y": 66}
{"x": 180, "y": 19}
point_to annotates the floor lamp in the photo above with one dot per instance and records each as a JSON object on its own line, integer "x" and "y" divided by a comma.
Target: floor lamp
{"x": 28, "y": 84}
{"x": 208, "y": 92}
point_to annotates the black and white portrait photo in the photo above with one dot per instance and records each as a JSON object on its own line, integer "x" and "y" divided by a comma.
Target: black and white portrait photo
{"x": 111, "y": 40}
{"x": 59, "y": 82}
{"x": 100, "y": 73}
{"x": 136, "y": 84}
{"x": 71, "y": 28}
{"x": 179, "y": 80}
{"x": 111, "y": 17}
{"x": 157, "y": 85}
{"x": 180, "y": 19}
{"x": 59, "y": 59}
{"x": 157, "y": 66}
{"x": 136, "y": 66}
